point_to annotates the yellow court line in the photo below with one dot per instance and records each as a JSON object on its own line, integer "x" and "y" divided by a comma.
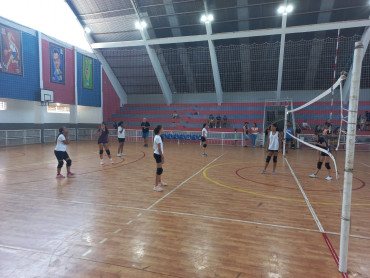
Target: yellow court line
{"x": 265, "y": 195}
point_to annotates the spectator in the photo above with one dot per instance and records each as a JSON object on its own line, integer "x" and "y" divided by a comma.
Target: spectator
{"x": 175, "y": 115}
{"x": 318, "y": 129}
{"x": 306, "y": 126}
{"x": 218, "y": 120}
{"x": 254, "y": 134}
{"x": 367, "y": 117}
{"x": 298, "y": 129}
{"x": 289, "y": 138}
{"x": 211, "y": 122}
{"x": 363, "y": 122}
{"x": 245, "y": 133}
{"x": 145, "y": 129}
{"x": 235, "y": 136}
{"x": 326, "y": 130}
{"x": 224, "y": 122}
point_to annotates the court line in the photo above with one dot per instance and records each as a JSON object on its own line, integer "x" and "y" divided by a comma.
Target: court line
{"x": 86, "y": 253}
{"x": 365, "y": 164}
{"x": 182, "y": 183}
{"x": 327, "y": 240}
{"x": 103, "y": 240}
{"x": 188, "y": 214}
{"x": 266, "y": 195}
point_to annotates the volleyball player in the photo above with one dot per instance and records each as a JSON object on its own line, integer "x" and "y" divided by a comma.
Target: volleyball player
{"x": 273, "y": 143}
{"x": 61, "y": 153}
{"x": 103, "y": 141}
{"x": 204, "y": 139}
{"x": 159, "y": 157}
{"x": 323, "y": 157}
{"x": 121, "y": 138}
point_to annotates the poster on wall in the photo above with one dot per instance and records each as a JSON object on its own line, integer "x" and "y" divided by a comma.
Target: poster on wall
{"x": 11, "y": 51}
{"x": 57, "y": 63}
{"x": 87, "y": 72}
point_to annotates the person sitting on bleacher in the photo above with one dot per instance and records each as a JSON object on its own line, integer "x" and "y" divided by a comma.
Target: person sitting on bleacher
{"x": 224, "y": 121}
{"x": 218, "y": 121}
{"x": 306, "y": 126}
{"x": 175, "y": 115}
{"x": 211, "y": 122}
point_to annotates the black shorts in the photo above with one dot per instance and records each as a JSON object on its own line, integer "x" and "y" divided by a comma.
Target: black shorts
{"x": 324, "y": 154}
{"x": 203, "y": 139}
{"x": 121, "y": 140}
{"x": 157, "y": 158}
{"x": 274, "y": 151}
{"x": 61, "y": 155}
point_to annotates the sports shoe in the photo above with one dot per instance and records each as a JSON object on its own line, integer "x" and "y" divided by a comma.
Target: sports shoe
{"x": 313, "y": 176}
{"x": 71, "y": 175}
{"x": 119, "y": 154}
{"x": 60, "y": 176}
{"x": 157, "y": 188}
{"x": 111, "y": 160}
{"x": 101, "y": 161}
{"x": 328, "y": 178}
{"x": 162, "y": 184}
{"x": 263, "y": 172}
{"x": 273, "y": 172}
{"x": 204, "y": 154}
{"x": 122, "y": 154}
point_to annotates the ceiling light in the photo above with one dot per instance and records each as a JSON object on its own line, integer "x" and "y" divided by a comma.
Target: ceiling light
{"x": 141, "y": 25}
{"x": 289, "y": 8}
{"x": 87, "y": 30}
{"x": 207, "y": 18}
{"x": 285, "y": 9}
{"x": 281, "y": 9}
{"x": 58, "y": 104}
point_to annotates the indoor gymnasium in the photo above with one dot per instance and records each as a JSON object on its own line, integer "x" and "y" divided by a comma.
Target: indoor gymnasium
{"x": 184, "y": 138}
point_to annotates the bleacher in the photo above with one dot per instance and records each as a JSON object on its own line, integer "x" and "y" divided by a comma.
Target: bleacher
{"x": 237, "y": 114}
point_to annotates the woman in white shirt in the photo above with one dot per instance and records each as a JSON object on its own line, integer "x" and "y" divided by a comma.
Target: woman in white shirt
{"x": 273, "y": 143}
{"x": 204, "y": 139}
{"x": 121, "y": 138}
{"x": 61, "y": 153}
{"x": 159, "y": 158}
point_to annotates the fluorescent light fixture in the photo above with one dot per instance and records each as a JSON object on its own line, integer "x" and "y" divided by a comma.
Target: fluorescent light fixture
{"x": 87, "y": 30}
{"x": 141, "y": 25}
{"x": 58, "y": 104}
{"x": 285, "y": 9}
{"x": 207, "y": 18}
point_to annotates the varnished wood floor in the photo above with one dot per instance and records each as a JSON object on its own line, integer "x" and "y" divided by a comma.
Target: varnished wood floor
{"x": 218, "y": 217}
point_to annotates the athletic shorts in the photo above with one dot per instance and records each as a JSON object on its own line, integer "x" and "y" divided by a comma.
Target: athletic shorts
{"x": 203, "y": 139}
{"x": 145, "y": 134}
{"x": 273, "y": 150}
{"x": 60, "y": 155}
{"x": 121, "y": 140}
{"x": 324, "y": 154}
{"x": 157, "y": 158}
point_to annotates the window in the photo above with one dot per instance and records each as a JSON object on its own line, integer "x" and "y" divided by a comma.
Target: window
{"x": 2, "y": 105}
{"x": 58, "y": 108}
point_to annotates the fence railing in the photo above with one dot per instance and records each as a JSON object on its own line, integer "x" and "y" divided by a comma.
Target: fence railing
{"x": 50, "y": 135}
{"x": 19, "y": 137}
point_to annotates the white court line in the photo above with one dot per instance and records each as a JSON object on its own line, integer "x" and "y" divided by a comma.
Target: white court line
{"x": 129, "y": 222}
{"x": 103, "y": 240}
{"x": 139, "y": 214}
{"x": 86, "y": 253}
{"x": 117, "y": 231}
{"x": 365, "y": 164}
{"x": 189, "y": 178}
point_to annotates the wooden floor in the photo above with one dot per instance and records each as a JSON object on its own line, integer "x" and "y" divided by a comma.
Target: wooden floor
{"x": 219, "y": 217}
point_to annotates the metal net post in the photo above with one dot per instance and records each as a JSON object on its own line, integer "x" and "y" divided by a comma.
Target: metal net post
{"x": 350, "y": 152}
{"x": 285, "y": 127}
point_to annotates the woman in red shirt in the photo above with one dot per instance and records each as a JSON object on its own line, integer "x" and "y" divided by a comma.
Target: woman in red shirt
{"x": 254, "y": 133}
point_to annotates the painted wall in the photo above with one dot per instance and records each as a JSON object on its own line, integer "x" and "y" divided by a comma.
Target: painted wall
{"x": 26, "y": 87}
{"x": 111, "y": 102}
{"x": 89, "y": 97}
{"x": 63, "y": 93}
{"x": 90, "y": 115}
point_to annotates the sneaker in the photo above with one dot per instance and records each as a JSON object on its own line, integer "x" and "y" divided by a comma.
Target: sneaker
{"x": 328, "y": 178}
{"x": 204, "y": 154}
{"x": 101, "y": 162}
{"x": 162, "y": 184}
{"x": 157, "y": 188}
{"x": 60, "y": 176}
{"x": 122, "y": 154}
{"x": 263, "y": 172}
{"x": 119, "y": 154}
{"x": 313, "y": 176}
{"x": 145, "y": 145}
{"x": 71, "y": 175}
{"x": 111, "y": 160}
{"x": 273, "y": 172}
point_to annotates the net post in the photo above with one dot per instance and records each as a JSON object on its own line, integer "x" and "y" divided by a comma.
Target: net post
{"x": 348, "y": 170}
{"x": 285, "y": 127}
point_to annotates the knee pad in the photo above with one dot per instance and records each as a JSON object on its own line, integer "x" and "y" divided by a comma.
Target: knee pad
{"x": 108, "y": 152}
{"x": 268, "y": 158}
{"x": 327, "y": 165}
{"x": 319, "y": 164}
{"x": 204, "y": 145}
{"x": 159, "y": 171}
{"x": 60, "y": 163}
{"x": 101, "y": 152}
{"x": 69, "y": 162}
{"x": 274, "y": 159}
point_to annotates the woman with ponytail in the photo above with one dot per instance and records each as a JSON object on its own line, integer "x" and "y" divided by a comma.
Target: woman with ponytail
{"x": 159, "y": 158}
{"x": 61, "y": 153}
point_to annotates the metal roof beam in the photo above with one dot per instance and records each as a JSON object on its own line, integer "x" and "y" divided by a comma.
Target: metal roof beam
{"x": 239, "y": 34}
